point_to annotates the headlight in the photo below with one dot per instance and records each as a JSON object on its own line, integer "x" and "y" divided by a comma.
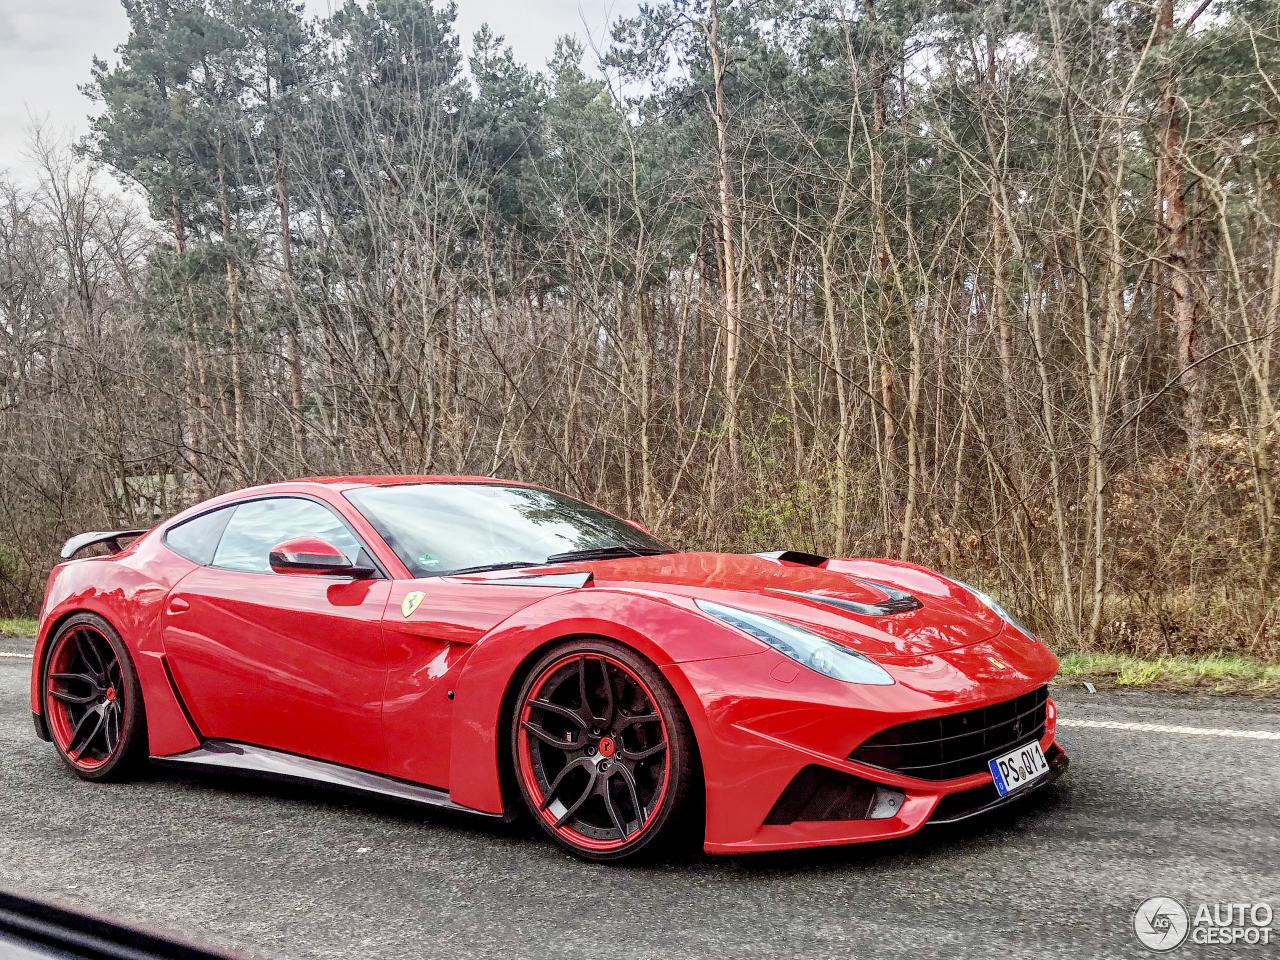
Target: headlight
{"x": 995, "y": 606}
{"x": 817, "y": 653}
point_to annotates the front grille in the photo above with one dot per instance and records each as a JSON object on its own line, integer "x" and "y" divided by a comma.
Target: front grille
{"x": 957, "y": 744}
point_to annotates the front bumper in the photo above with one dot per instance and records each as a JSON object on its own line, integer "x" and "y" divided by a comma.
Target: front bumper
{"x": 955, "y": 807}
{"x": 765, "y": 725}
{"x": 920, "y": 806}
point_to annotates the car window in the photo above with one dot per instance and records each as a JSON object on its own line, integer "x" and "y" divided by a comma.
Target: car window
{"x": 440, "y": 528}
{"x": 259, "y": 525}
{"x": 197, "y": 539}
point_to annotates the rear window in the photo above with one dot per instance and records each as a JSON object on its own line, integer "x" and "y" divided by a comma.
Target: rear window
{"x": 197, "y": 538}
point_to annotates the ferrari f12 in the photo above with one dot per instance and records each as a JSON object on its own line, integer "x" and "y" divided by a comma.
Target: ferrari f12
{"x": 506, "y": 650}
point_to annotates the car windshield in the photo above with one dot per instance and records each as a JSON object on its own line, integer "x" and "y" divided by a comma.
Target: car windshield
{"x": 443, "y": 528}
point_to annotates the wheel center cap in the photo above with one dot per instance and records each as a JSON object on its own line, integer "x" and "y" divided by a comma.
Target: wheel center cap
{"x": 111, "y": 694}
{"x": 607, "y": 747}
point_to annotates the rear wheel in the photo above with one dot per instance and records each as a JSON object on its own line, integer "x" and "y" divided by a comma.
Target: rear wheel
{"x": 603, "y": 751}
{"x": 92, "y": 699}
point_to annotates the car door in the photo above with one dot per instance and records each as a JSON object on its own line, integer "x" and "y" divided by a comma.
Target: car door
{"x": 289, "y": 661}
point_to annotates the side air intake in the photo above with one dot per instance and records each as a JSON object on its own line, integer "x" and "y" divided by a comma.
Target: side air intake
{"x": 822, "y": 794}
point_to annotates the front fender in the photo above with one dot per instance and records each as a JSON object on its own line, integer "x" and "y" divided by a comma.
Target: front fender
{"x": 666, "y": 630}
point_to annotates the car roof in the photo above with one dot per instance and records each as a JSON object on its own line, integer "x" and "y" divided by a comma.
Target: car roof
{"x": 333, "y": 485}
{"x": 391, "y": 480}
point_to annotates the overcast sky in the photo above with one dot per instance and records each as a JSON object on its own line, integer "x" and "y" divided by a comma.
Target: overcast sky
{"x": 46, "y": 47}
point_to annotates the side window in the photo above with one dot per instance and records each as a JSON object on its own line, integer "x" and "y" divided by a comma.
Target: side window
{"x": 259, "y": 525}
{"x": 197, "y": 539}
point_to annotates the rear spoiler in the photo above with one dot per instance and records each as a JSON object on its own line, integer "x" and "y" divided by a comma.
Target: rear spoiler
{"x": 110, "y": 537}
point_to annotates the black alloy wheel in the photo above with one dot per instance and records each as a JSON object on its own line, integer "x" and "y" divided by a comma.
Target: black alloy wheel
{"x": 603, "y": 751}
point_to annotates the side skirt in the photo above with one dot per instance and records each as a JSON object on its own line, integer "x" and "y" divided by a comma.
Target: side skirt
{"x": 279, "y": 765}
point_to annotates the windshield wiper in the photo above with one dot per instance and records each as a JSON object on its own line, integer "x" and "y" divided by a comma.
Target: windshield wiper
{"x": 604, "y": 553}
{"x": 509, "y": 565}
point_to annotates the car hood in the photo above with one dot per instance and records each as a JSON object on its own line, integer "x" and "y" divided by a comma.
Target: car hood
{"x": 856, "y": 602}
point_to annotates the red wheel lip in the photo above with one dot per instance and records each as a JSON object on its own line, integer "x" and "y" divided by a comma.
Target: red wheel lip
{"x": 56, "y": 711}
{"x": 531, "y": 781}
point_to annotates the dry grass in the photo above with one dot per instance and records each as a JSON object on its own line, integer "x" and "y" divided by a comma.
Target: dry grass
{"x": 20, "y": 627}
{"x": 1214, "y": 673}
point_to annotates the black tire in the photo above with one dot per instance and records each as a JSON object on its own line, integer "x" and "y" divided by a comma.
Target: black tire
{"x": 660, "y": 799}
{"x": 99, "y": 678}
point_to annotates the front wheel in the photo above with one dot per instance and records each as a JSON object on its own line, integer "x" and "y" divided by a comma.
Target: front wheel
{"x": 92, "y": 699}
{"x": 603, "y": 751}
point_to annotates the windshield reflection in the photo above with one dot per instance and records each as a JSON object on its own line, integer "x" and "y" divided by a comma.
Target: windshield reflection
{"x": 442, "y": 528}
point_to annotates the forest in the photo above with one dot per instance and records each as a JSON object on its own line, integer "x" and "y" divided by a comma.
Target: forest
{"x": 988, "y": 285}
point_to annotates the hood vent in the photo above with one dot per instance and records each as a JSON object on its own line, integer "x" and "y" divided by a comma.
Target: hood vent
{"x": 898, "y": 601}
{"x": 793, "y": 556}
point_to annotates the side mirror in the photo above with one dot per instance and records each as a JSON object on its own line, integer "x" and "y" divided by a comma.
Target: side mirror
{"x": 314, "y": 556}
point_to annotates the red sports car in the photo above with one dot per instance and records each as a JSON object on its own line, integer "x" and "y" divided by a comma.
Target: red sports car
{"x": 496, "y": 647}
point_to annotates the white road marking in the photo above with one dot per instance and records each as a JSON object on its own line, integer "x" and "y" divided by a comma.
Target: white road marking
{"x": 1171, "y": 728}
{"x": 17, "y": 656}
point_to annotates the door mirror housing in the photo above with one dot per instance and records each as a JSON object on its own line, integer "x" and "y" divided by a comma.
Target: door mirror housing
{"x": 311, "y": 555}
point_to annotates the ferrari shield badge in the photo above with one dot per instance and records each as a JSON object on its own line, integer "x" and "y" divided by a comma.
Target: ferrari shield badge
{"x": 410, "y": 602}
{"x": 995, "y": 662}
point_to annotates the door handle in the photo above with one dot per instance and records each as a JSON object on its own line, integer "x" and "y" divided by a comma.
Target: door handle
{"x": 178, "y": 605}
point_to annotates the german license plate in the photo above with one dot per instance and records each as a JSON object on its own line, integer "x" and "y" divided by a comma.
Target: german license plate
{"x": 1018, "y": 768}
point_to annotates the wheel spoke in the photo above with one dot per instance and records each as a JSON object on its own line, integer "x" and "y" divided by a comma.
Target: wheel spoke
{"x": 113, "y": 730}
{"x": 610, "y": 806}
{"x": 76, "y": 744}
{"x": 586, "y": 795}
{"x": 635, "y": 718}
{"x": 77, "y": 699}
{"x": 643, "y": 754}
{"x": 546, "y": 737}
{"x": 85, "y": 644}
{"x": 582, "y": 686}
{"x": 630, "y": 781}
{"x": 559, "y": 711}
{"x": 582, "y": 763}
{"x": 66, "y": 696}
{"x": 69, "y": 677}
{"x": 609, "y": 710}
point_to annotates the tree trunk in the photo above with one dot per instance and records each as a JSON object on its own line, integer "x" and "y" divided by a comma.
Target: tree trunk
{"x": 728, "y": 238}
{"x": 1179, "y": 255}
{"x": 233, "y": 314}
{"x": 291, "y": 337}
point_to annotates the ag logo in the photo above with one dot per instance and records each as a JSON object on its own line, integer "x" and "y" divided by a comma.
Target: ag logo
{"x": 1161, "y": 923}
{"x": 410, "y": 602}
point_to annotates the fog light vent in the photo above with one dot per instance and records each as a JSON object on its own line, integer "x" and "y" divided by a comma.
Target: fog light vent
{"x": 822, "y": 794}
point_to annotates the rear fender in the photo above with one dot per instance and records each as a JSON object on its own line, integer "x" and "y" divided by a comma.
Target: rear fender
{"x": 128, "y": 591}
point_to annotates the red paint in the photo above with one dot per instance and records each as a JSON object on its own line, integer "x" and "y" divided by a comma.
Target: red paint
{"x": 308, "y": 555}
{"x": 331, "y": 668}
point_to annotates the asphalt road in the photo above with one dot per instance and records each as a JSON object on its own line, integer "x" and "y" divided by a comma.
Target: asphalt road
{"x": 288, "y": 872}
